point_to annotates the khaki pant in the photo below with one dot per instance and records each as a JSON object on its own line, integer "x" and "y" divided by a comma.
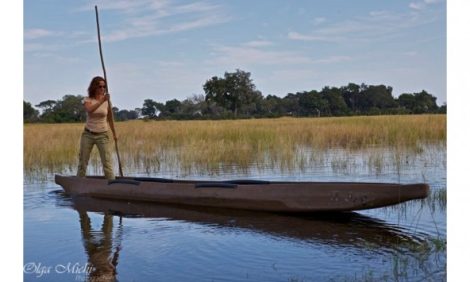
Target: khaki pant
{"x": 101, "y": 140}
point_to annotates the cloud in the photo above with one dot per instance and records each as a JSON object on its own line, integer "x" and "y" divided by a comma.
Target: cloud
{"x": 249, "y": 54}
{"x": 258, "y": 43}
{"x": 421, "y": 5}
{"x": 417, "y": 5}
{"x": 124, "y": 5}
{"x": 376, "y": 25}
{"x": 303, "y": 37}
{"x": 432, "y": 1}
{"x": 142, "y": 28}
{"x": 333, "y": 59}
{"x": 236, "y": 55}
{"x": 318, "y": 21}
{"x": 36, "y": 33}
{"x": 156, "y": 17}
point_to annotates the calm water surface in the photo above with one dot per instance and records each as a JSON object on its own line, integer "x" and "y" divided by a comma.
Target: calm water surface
{"x": 100, "y": 240}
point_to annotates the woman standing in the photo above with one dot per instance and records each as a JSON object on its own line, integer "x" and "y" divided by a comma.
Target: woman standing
{"x": 96, "y": 128}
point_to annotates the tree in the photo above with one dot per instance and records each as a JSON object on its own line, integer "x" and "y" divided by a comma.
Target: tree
{"x": 407, "y": 101}
{"x": 425, "y": 103}
{"x": 337, "y": 105}
{"x": 311, "y": 104}
{"x": 443, "y": 109}
{"x": 46, "y": 110}
{"x": 151, "y": 108}
{"x": 290, "y": 104}
{"x": 234, "y": 92}
{"x": 192, "y": 107}
{"x": 138, "y": 112}
{"x": 418, "y": 103}
{"x": 30, "y": 114}
{"x": 376, "y": 96}
{"x": 68, "y": 109}
{"x": 351, "y": 95}
{"x": 271, "y": 106}
{"x": 115, "y": 111}
{"x": 172, "y": 107}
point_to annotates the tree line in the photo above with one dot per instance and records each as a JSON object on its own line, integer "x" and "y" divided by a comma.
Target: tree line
{"x": 235, "y": 96}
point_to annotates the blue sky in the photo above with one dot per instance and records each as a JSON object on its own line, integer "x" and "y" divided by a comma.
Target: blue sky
{"x": 167, "y": 49}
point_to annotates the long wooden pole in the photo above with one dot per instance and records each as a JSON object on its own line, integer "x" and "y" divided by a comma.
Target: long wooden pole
{"x": 110, "y": 108}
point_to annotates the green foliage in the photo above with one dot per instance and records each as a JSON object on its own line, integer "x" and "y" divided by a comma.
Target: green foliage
{"x": 30, "y": 114}
{"x": 337, "y": 105}
{"x": 235, "y": 92}
{"x": 68, "y": 109}
{"x": 151, "y": 108}
{"x": 235, "y": 96}
{"x": 420, "y": 103}
{"x": 123, "y": 115}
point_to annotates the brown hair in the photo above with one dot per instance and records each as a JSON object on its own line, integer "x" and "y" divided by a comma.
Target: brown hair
{"x": 94, "y": 84}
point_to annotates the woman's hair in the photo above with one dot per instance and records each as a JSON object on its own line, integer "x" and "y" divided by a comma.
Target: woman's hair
{"x": 95, "y": 82}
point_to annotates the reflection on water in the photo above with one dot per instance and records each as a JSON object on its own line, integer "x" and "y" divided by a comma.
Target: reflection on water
{"x": 102, "y": 257}
{"x": 352, "y": 231}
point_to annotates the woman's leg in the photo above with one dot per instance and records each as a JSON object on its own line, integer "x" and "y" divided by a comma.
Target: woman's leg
{"x": 86, "y": 145}
{"x": 104, "y": 147}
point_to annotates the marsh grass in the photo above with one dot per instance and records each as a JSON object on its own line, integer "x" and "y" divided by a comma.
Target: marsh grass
{"x": 416, "y": 261}
{"x": 204, "y": 146}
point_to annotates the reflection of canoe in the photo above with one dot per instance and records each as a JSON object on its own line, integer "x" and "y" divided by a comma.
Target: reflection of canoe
{"x": 347, "y": 229}
{"x": 247, "y": 194}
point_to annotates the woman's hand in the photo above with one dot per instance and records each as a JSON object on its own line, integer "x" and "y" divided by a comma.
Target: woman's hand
{"x": 103, "y": 98}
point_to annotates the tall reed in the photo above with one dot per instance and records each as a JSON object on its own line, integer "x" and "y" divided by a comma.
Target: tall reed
{"x": 149, "y": 145}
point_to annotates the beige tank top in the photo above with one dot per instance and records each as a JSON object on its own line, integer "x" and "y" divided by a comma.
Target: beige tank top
{"x": 96, "y": 121}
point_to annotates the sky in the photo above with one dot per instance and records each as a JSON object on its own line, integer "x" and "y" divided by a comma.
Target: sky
{"x": 167, "y": 49}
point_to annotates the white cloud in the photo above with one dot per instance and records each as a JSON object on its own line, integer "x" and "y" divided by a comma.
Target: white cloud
{"x": 141, "y": 28}
{"x": 36, "y": 33}
{"x": 170, "y": 64}
{"x": 417, "y": 5}
{"x": 377, "y": 13}
{"x": 432, "y": 1}
{"x": 247, "y": 54}
{"x": 258, "y": 43}
{"x": 423, "y": 5}
{"x": 333, "y": 59}
{"x": 318, "y": 21}
{"x": 377, "y": 25}
{"x": 155, "y": 17}
{"x": 41, "y": 47}
{"x": 124, "y": 5}
{"x": 241, "y": 55}
{"x": 303, "y": 37}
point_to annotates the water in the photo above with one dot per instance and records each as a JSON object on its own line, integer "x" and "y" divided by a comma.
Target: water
{"x": 100, "y": 240}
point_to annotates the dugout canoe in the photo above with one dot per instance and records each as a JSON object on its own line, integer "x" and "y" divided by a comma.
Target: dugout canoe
{"x": 273, "y": 196}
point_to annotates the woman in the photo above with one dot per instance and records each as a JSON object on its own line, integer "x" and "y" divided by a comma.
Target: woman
{"x": 96, "y": 128}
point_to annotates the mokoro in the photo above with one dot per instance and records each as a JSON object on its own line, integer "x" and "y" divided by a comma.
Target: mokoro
{"x": 247, "y": 194}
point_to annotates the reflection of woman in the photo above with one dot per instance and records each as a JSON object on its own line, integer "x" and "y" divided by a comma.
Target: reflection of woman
{"x": 96, "y": 128}
{"x": 99, "y": 246}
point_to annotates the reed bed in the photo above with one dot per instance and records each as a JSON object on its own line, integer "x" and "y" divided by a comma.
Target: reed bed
{"x": 147, "y": 146}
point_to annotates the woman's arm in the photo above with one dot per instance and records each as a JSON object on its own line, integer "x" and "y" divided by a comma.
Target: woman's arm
{"x": 90, "y": 107}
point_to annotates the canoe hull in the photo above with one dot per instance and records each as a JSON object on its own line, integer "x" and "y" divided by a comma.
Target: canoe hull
{"x": 246, "y": 194}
